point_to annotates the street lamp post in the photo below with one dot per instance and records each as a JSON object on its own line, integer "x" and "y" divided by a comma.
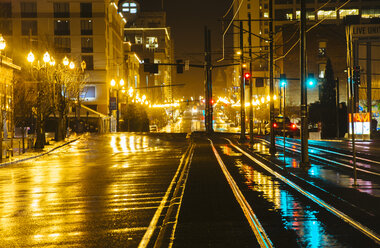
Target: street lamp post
{"x": 283, "y": 90}
{"x": 119, "y": 86}
{"x": 2, "y": 47}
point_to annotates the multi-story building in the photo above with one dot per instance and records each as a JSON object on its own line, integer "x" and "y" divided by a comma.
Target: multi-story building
{"x": 326, "y": 38}
{"x": 86, "y": 30}
{"x": 148, "y": 37}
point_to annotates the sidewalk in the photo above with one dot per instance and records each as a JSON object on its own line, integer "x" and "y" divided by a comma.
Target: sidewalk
{"x": 35, "y": 153}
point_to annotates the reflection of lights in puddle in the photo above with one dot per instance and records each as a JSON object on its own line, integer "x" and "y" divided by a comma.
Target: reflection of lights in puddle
{"x": 38, "y": 236}
{"x": 228, "y": 151}
{"x": 54, "y": 235}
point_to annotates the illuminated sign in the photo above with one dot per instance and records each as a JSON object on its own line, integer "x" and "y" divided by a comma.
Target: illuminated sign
{"x": 362, "y": 123}
{"x": 367, "y": 30}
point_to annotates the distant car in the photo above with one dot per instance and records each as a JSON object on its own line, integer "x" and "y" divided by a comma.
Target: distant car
{"x": 153, "y": 128}
{"x": 290, "y": 130}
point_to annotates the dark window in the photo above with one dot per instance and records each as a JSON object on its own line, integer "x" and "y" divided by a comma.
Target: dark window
{"x": 62, "y": 45}
{"x": 61, "y": 10}
{"x": 283, "y": 14}
{"x": 86, "y": 27}
{"x": 6, "y": 27}
{"x": 29, "y": 9}
{"x": 248, "y": 6}
{"x": 61, "y": 27}
{"x": 86, "y": 10}
{"x": 283, "y": 1}
{"x": 87, "y": 45}
{"x": 89, "y": 59}
{"x": 5, "y": 10}
{"x": 259, "y": 82}
{"x": 29, "y": 27}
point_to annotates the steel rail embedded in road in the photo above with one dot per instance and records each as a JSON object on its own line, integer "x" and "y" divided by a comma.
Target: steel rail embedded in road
{"x": 337, "y": 153}
{"x": 255, "y": 224}
{"x": 363, "y": 229}
{"x": 153, "y": 224}
{"x": 329, "y": 160}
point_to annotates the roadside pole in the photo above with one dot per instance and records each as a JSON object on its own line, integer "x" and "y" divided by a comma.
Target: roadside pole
{"x": 250, "y": 81}
{"x": 272, "y": 148}
{"x": 242, "y": 88}
{"x": 304, "y": 120}
{"x": 351, "y": 99}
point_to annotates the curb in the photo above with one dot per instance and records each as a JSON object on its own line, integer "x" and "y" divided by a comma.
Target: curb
{"x": 39, "y": 155}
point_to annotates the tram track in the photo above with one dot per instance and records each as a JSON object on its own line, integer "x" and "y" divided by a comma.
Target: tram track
{"x": 311, "y": 196}
{"x": 340, "y": 159}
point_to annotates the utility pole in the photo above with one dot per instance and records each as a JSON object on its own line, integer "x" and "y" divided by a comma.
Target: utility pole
{"x": 337, "y": 107}
{"x": 272, "y": 148}
{"x": 208, "y": 86}
{"x": 304, "y": 122}
{"x": 369, "y": 84}
{"x": 242, "y": 87}
{"x": 210, "y": 109}
{"x": 250, "y": 81}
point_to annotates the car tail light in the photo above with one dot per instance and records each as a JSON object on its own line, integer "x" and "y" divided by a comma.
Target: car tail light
{"x": 293, "y": 126}
{"x": 275, "y": 125}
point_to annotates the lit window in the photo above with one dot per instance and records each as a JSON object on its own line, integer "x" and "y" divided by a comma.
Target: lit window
{"x": 151, "y": 42}
{"x": 129, "y": 7}
{"x": 322, "y": 48}
{"x": 138, "y": 40}
{"x": 346, "y": 12}
{"x": 309, "y": 15}
{"x": 289, "y": 16}
{"x": 266, "y": 14}
{"x": 326, "y": 14}
{"x": 370, "y": 13}
{"x": 321, "y": 70}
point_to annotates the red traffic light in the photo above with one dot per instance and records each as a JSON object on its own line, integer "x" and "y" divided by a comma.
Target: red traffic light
{"x": 247, "y": 75}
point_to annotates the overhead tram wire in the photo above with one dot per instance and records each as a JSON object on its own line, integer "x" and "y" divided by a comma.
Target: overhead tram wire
{"x": 229, "y": 25}
{"x": 229, "y": 9}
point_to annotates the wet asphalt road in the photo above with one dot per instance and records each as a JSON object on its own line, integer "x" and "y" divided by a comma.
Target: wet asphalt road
{"x": 101, "y": 191}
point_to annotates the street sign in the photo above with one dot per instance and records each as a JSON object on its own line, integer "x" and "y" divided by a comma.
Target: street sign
{"x": 112, "y": 103}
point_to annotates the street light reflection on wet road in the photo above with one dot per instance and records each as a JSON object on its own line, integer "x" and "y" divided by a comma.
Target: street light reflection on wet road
{"x": 99, "y": 191}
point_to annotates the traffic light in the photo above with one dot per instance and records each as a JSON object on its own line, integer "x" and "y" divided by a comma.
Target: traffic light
{"x": 356, "y": 75}
{"x": 311, "y": 81}
{"x": 150, "y": 67}
{"x": 247, "y": 76}
{"x": 147, "y": 65}
{"x": 180, "y": 66}
{"x": 283, "y": 81}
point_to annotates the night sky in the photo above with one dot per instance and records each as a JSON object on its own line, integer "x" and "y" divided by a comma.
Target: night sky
{"x": 187, "y": 20}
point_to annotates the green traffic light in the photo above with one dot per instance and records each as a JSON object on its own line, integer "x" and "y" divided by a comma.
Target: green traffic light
{"x": 283, "y": 81}
{"x": 311, "y": 82}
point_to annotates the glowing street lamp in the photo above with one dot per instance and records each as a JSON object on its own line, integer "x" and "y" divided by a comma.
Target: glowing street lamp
{"x": 3, "y": 44}
{"x": 71, "y": 65}
{"x": 30, "y": 57}
{"x": 121, "y": 83}
{"x": 46, "y": 57}
{"x": 113, "y": 83}
{"x": 65, "y": 61}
